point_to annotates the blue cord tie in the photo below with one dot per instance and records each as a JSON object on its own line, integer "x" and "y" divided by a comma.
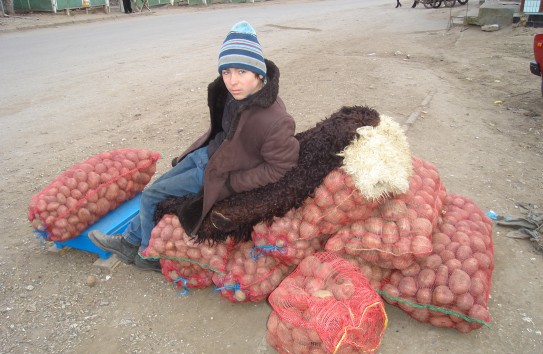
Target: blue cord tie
{"x": 262, "y": 249}
{"x": 41, "y": 235}
{"x": 185, "y": 288}
{"x": 229, "y": 287}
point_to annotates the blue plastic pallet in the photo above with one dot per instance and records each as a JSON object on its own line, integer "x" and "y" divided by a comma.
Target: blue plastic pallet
{"x": 114, "y": 222}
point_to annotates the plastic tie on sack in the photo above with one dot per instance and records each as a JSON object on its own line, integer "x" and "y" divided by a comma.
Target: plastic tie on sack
{"x": 234, "y": 287}
{"x": 185, "y": 288}
{"x": 434, "y": 308}
{"x": 41, "y": 235}
{"x": 495, "y": 216}
{"x": 262, "y": 249}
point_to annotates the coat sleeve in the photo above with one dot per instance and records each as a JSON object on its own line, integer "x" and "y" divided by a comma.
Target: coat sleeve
{"x": 280, "y": 152}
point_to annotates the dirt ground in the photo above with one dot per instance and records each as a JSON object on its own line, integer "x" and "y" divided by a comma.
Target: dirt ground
{"x": 468, "y": 102}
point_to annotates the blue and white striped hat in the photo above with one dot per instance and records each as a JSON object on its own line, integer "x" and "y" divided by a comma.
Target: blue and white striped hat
{"x": 242, "y": 50}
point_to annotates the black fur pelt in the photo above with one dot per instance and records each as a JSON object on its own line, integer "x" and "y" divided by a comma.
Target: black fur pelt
{"x": 319, "y": 147}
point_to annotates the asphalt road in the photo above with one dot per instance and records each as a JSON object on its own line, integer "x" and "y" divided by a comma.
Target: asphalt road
{"x": 55, "y": 67}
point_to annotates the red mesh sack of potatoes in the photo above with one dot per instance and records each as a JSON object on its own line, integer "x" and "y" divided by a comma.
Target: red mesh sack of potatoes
{"x": 396, "y": 231}
{"x": 336, "y": 203}
{"x": 249, "y": 278}
{"x": 373, "y": 273}
{"x": 192, "y": 264}
{"x": 326, "y": 305}
{"x": 450, "y": 288}
{"x": 186, "y": 275}
{"x": 288, "y": 239}
{"x": 83, "y": 194}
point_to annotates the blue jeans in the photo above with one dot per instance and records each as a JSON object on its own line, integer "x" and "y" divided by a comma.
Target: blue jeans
{"x": 187, "y": 177}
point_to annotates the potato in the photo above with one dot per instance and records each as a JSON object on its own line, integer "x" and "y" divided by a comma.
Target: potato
{"x": 408, "y": 286}
{"x": 479, "y": 312}
{"x": 322, "y": 294}
{"x": 424, "y": 296}
{"x": 420, "y": 315}
{"x": 477, "y": 245}
{"x": 343, "y": 292}
{"x": 374, "y": 225}
{"x": 412, "y": 271}
{"x": 422, "y": 226}
{"x": 442, "y": 295}
{"x": 334, "y": 215}
{"x": 311, "y": 212}
{"x": 461, "y": 237}
{"x": 402, "y": 262}
{"x": 453, "y": 264}
{"x": 194, "y": 253}
{"x": 426, "y": 278}
{"x": 112, "y": 191}
{"x": 391, "y": 292}
{"x": 390, "y": 233}
{"x": 465, "y": 301}
{"x": 334, "y": 181}
{"x": 442, "y": 275}
{"x": 405, "y": 306}
{"x": 470, "y": 265}
{"x": 393, "y": 209}
{"x": 440, "y": 238}
{"x": 463, "y": 252}
{"x": 459, "y": 282}
{"x": 323, "y": 197}
{"x": 395, "y": 278}
{"x": 446, "y": 255}
{"x": 463, "y": 327}
{"x": 421, "y": 245}
{"x": 432, "y": 262}
{"x": 84, "y": 215}
{"x": 477, "y": 287}
{"x": 343, "y": 199}
{"x": 442, "y": 321}
{"x": 313, "y": 285}
{"x": 240, "y": 295}
{"x": 371, "y": 242}
{"x": 335, "y": 244}
{"x": 448, "y": 229}
{"x": 264, "y": 288}
{"x": 453, "y": 246}
{"x": 484, "y": 260}
{"x": 404, "y": 227}
{"x": 80, "y": 175}
{"x": 103, "y": 206}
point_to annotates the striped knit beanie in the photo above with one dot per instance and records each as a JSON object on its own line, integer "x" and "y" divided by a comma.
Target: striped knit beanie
{"x": 241, "y": 50}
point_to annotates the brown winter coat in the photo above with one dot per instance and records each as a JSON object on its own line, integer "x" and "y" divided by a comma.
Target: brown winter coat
{"x": 259, "y": 149}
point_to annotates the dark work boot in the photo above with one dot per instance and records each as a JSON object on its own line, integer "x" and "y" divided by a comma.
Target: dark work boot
{"x": 147, "y": 264}
{"x": 115, "y": 244}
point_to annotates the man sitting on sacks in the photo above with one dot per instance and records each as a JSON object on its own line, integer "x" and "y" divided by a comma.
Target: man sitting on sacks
{"x": 250, "y": 144}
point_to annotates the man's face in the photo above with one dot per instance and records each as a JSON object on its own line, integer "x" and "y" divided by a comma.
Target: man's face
{"x": 241, "y": 83}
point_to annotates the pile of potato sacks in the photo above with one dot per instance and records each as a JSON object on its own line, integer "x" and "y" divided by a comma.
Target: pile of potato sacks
{"x": 325, "y": 267}
{"x": 428, "y": 252}
{"x": 83, "y": 194}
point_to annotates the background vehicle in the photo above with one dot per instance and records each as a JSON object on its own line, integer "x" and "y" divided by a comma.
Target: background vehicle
{"x": 537, "y": 64}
